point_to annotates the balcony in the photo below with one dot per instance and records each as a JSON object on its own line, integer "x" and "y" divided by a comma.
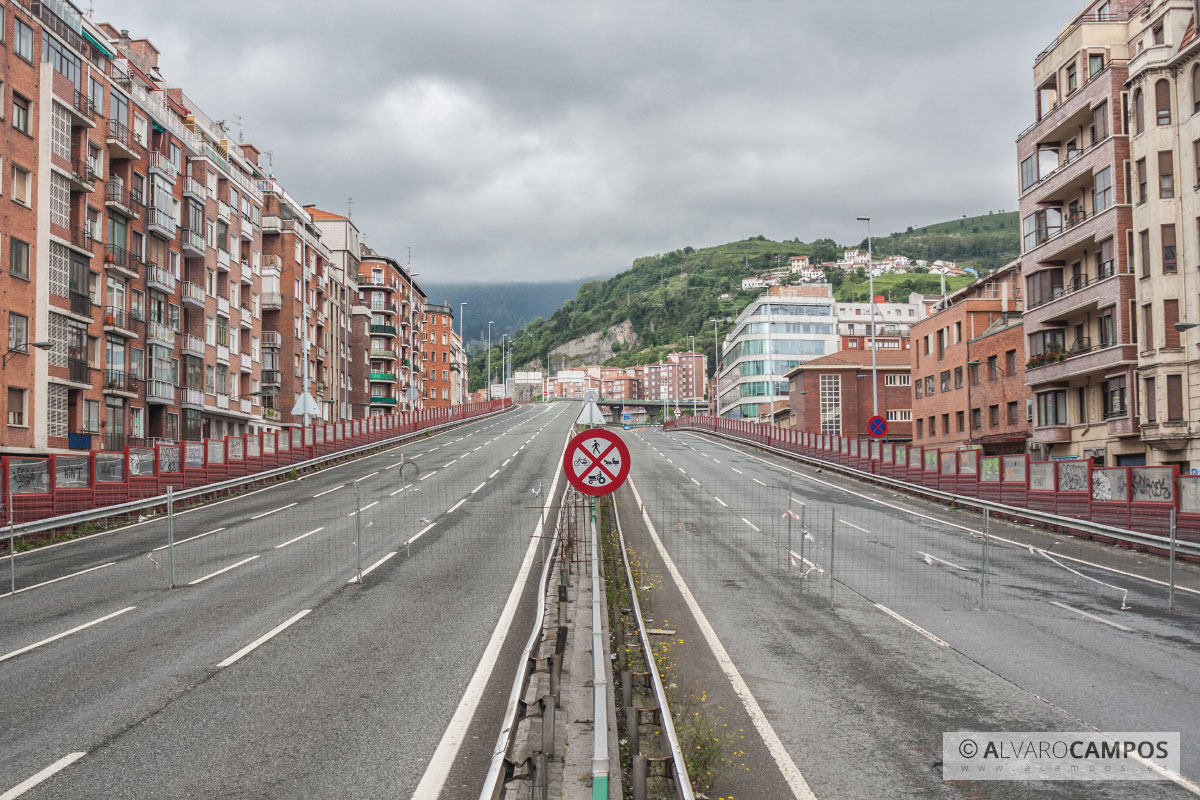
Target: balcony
{"x": 160, "y": 391}
{"x": 271, "y": 377}
{"x": 82, "y": 176}
{"x": 81, "y": 304}
{"x": 246, "y": 319}
{"x": 190, "y": 345}
{"x": 118, "y": 198}
{"x": 194, "y": 189}
{"x": 370, "y": 282}
{"x": 1076, "y": 229}
{"x": 192, "y": 242}
{"x": 162, "y": 165}
{"x": 388, "y": 354}
{"x": 223, "y": 305}
{"x": 321, "y": 353}
{"x": 246, "y": 230}
{"x": 223, "y": 354}
{"x": 1166, "y": 435}
{"x": 382, "y": 377}
{"x": 160, "y": 279}
{"x": 160, "y": 334}
{"x": 1068, "y": 364}
{"x": 118, "y": 321}
{"x": 223, "y": 260}
{"x": 223, "y": 211}
{"x": 121, "y": 142}
{"x": 191, "y": 398}
{"x": 119, "y": 382}
{"x": 383, "y": 401}
{"x": 1081, "y": 294}
{"x": 272, "y": 301}
{"x": 383, "y": 308}
{"x": 222, "y": 401}
{"x": 191, "y": 294}
{"x": 160, "y": 222}
{"x": 245, "y": 275}
{"x": 384, "y": 330}
{"x": 78, "y": 370}
{"x": 271, "y": 339}
{"x": 1052, "y": 434}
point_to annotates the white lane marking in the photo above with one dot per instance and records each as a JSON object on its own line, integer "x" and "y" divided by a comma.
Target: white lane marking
{"x": 475, "y": 450}
{"x": 447, "y": 750}
{"x": 364, "y": 508}
{"x": 373, "y": 567}
{"x": 398, "y": 491}
{"x": 852, "y": 525}
{"x": 272, "y": 511}
{"x": 434, "y": 448}
{"x": 477, "y": 488}
{"x": 455, "y": 461}
{"x": 415, "y": 456}
{"x": 682, "y": 470}
{"x": 1083, "y": 613}
{"x": 704, "y": 454}
{"x": 301, "y": 536}
{"x": 791, "y": 774}
{"x": 454, "y": 507}
{"x": 671, "y": 460}
{"x": 56, "y": 580}
{"x": 931, "y": 557}
{"x": 327, "y": 491}
{"x": 738, "y": 471}
{"x": 798, "y": 500}
{"x": 266, "y": 637}
{"x": 58, "y": 636}
{"x": 715, "y": 461}
{"x": 695, "y": 481}
{"x": 494, "y": 474}
{"x": 428, "y": 475}
{"x": 516, "y": 452}
{"x": 421, "y": 532}
{"x": 364, "y": 477}
{"x": 756, "y": 480}
{"x": 32, "y": 781}
{"x": 189, "y": 539}
{"x": 912, "y": 625}
{"x": 993, "y": 537}
{"x": 221, "y": 571}
{"x": 393, "y": 466}
{"x": 751, "y": 524}
{"x": 719, "y": 500}
{"x": 505, "y": 464}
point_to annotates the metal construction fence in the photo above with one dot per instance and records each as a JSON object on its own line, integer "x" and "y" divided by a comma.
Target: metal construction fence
{"x": 1141, "y": 499}
{"x": 39, "y": 487}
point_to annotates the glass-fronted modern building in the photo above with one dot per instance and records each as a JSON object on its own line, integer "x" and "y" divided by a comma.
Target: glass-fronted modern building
{"x": 787, "y": 326}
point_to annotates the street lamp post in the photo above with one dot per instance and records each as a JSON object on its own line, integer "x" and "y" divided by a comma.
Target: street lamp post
{"x": 489, "y": 360}
{"x": 462, "y": 340}
{"x": 716, "y": 367}
{"x": 871, "y": 289}
{"x": 23, "y": 350}
{"x": 691, "y": 357}
{"x": 972, "y": 373}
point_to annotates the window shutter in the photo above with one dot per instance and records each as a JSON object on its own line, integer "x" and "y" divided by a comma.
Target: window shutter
{"x": 1100, "y": 122}
{"x": 1170, "y": 317}
{"x": 1106, "y": 251}
{"x": 1174, "y": 398}
{"x": 1151, "y": 400}
{"x": 1196, "y": 88}
{"x": 1165, "y": 162}
{"x": 1148, "y": 325}
{"x": 1162, "y": 101}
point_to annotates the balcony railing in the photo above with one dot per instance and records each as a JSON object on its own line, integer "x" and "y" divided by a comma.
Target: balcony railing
{"x": 382, "y": 376}
{"x": 390, "y": 401}
{"x": 161, "y": 278}
{"x": 119, "y": 195}
{"x": 388, "y": 330}
{"x": 383, "y": 354}
{"x": 191, "y": 345}
{"x": 163, "y": 164}
{"x": 119, "y": 133}
{"x": 157, "y": 218}
{"x": 81, "y": 304}
{"x": 1076, "y": 284}
{"x": 77, "y": 370}
{"x": 161, "y": 332}
{"x": 271, "y": 339}
{"x": 191, "y": 293}
{"x": 191, "y": 397}
{"x": 115, "y": 317}
{"x": 270, "y": 377}
{"x": 159, "y": 391}
{"x": 119, "y": 441}
{"x": 193, "y": 187}
{"x": 192, "y": 239}
{"x": 389, "y": 308}
{"x": 68, "y": 32}
{"x": 120, "y": 381}
{"x": 272, "y": 301}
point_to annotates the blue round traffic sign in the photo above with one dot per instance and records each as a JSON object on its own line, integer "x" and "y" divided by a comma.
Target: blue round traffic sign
{"x": 877, "y": 426}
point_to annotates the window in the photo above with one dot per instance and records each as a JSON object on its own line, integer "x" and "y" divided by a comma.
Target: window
{"x": 1102, "y": 196}
{"x": 976, "y": 419}
{"x": 1029, "y": 173}
{"x": 1010, "y": 362}
{"x": 831, "y": 404}
{"x": 16, "y": 406}
{"x": 959, "y": 421}
{"x": 1151, "y": 401}
{"x": 973, "y": 374}
{"x": 1156, "y": 35}
{"x": 1144, "y": 251}
{"x": 1196, "y": 88}
{"x": 1114, "y": 397}
{"x": 946, "y": 381}
{"x": 1174, "y": 398}
{"x": 993, "y": 364}
{"x": 899, "y": 415}
{"x": 933, "y": 426}
{"x": 1095, "y": 64}
{"x": 1072, "y": 80}
{"x": 20, "y": 113}
{"x": 1162, "y": 102}
{"x": 1012, "y": 412}
{"x": 958, "y": 377}
{"x": 1107, "y": 328}
{"x": 1052, "y": 408}
{"x": 929, "y": 386}
{"x": 18, "y": 330}
{"x": 1166, "y": 175}
{"x": 946, "y": 423}
{"x": 1100, "y": 122}
{"x": 1168, "y": 245}
{"x": 23, "y": 40}
{"x": 18, "y": 257}
{"x": 1139, "y": 111}
{"x": 91, "y": 416}
{"x": 1170, "y": 317}
{"x": 994, "y": 415}
{"x": 20, "y": 185}
{"x": 1141, "y": 181}
{"x": 919, "y": 389}
{"x": 1148, "y": 326}
{"x": 1042, "y": 225}
{"x": 920, "y": 428}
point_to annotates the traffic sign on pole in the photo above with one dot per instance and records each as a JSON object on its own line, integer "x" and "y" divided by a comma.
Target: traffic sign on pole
{"x": 877, "y": 426}
{"x": 596, "y": 462}
{"x": 678, "y": 412}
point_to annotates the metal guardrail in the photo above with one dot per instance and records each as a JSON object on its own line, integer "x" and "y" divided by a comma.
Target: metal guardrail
{"x": 146, "y": 503}
{"x": 1028, "y": 514}
{"x": 683, "y": 782}
{"x": 500, "y": 769}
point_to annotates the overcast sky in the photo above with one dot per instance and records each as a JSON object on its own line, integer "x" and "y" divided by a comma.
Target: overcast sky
{"x": 514, "y": 140}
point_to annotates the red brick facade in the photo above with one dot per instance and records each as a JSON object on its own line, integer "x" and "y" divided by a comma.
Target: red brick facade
{"x": 843, "y": 381}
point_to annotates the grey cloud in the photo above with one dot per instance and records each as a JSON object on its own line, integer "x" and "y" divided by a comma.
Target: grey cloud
{"x": 531, "y": 139}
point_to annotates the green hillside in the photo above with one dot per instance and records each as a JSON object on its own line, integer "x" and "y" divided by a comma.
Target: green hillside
{"x": 670, "y": 296}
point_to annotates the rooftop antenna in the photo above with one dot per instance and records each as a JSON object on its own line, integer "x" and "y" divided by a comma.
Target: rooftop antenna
{"x": 410, "y": 256}
{"x": 241, "y": 136}
{"x": 349, "y": 207}
{"x": 270, "y": 154}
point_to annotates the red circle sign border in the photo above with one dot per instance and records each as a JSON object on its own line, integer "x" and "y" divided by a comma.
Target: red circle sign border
{"x": 618, "y": 479}
{"x": 882, "y": 427}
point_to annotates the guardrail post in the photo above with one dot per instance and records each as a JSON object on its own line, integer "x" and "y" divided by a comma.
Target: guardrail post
{"x": 1171, "y": 567}
{"x": 626, "y": 686}
{"x": 171, "y": 537}
{"x": 639, "y": 777}
{"x": 547, "y": 704}
{"x": 983, "y": 573}
{"x": 539, "y": 777}
{"x": 632, "y": 733}
{"x": 556, "y": 678}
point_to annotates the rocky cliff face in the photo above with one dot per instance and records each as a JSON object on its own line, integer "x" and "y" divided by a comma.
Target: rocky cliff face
{"x": 594, "y": 348}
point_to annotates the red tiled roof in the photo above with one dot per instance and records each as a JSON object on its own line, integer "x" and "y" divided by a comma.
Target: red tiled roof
{"x": 317, "y": 213}
{"x": 889, "y": 359}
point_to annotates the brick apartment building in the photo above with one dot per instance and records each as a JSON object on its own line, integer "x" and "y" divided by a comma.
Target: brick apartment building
{"x": 833, "y": 394}
{"x": 438, "y": 354}
{"x": 968, "y": 369}
{"x": 340, "y": 279}
{"x": 1076, "y": 208}
{"x": 682, "y": 378}
{"x": 386, "y": 325}
{"x": 618, "y": 383}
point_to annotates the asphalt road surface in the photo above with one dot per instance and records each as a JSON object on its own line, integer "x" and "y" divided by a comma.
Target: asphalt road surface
{"x": 852, "y": 649}
{"x": 270, "y": 671}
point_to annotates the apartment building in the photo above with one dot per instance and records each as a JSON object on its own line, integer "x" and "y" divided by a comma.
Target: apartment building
{"x": 620, "y": 383}
{"x": 777, "y": 331}
{"x": 1163, "y": 85}
{"x": 892, "y": 323}
{"x": 833, "y": 394}
{"x": 385, "y": 341}
{"x": 437, "y": 354}
{"x": 682, "y": 378}
{"x": 341, "y": 237}
{"x": 131, "y": 286}
{"x": 968, "y": 369}
{"x": 1076, "y": 208}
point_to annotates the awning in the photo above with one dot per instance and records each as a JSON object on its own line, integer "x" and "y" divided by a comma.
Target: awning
{"x": 97, "y": 44}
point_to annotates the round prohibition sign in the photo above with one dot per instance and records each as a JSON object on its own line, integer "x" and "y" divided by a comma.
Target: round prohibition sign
{"x": 877, "y": 426}
{"x": 596, "y": 462}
